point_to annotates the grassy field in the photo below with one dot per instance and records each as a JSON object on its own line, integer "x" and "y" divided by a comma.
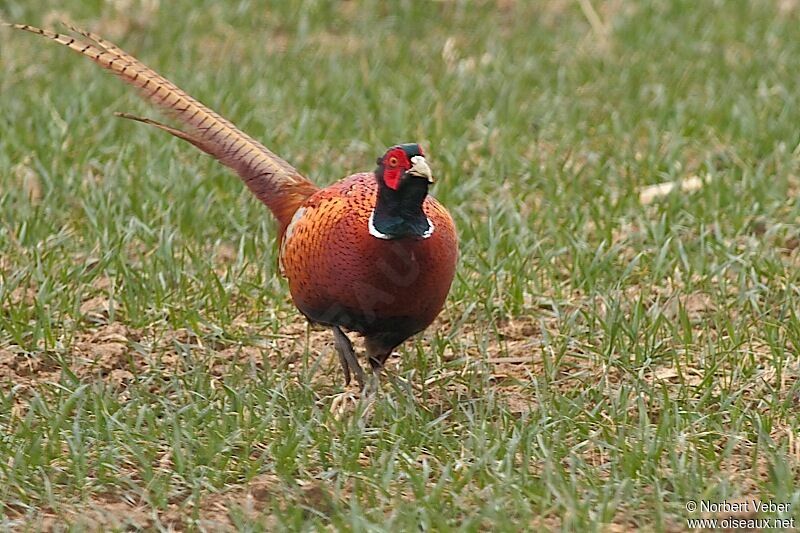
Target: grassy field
{"x": 601, "y": 360}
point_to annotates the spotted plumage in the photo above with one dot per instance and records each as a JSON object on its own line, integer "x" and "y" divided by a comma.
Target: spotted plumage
{"x": 385, "y": 289}
{"x": 372, "y": 253}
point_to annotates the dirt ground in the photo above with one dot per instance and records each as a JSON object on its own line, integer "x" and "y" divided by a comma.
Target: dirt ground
{"x": 112, "y": 353}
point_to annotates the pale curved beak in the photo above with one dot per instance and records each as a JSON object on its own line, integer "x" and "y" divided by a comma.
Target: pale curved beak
{"x": 419, "y": 167}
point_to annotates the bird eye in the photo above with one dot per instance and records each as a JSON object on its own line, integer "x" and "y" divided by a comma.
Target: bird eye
{"x": 393, "y": 161}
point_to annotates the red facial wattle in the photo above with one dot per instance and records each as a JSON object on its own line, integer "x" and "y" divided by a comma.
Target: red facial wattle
{"x": 391, "y": 176}
{"x": 394, "y": 164}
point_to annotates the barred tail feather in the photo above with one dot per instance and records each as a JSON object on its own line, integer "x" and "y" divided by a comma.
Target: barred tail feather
{"x": 273, "y": 181}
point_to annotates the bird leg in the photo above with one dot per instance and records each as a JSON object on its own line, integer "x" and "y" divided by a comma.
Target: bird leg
{"x": 377, "y": 359}
{"x": 378, "y": 352}
{"x": 347, "y": 402}
{"x": 347, "y": 357}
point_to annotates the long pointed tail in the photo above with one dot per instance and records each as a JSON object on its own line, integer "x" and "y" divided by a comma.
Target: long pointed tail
{"x": 274, "y": 181}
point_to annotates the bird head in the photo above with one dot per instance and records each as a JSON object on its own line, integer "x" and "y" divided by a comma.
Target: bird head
{"x": 403, "y": 178}
{"x": 401, "y": 164}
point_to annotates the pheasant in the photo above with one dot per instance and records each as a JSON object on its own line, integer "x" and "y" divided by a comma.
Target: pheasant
{"x": 373, "y": 253}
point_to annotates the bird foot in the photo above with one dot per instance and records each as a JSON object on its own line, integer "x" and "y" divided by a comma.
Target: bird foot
{"x": 349, "y": 402}
{"x": 343, "y": 404}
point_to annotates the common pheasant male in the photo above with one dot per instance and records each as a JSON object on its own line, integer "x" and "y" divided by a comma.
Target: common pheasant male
{"x": 373, "y": 253}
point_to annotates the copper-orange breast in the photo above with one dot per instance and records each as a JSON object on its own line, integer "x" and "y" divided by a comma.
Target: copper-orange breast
{"x": 340, "y": 274}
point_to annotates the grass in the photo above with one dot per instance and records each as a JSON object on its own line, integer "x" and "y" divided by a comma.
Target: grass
{"x": 599, "y": 363}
